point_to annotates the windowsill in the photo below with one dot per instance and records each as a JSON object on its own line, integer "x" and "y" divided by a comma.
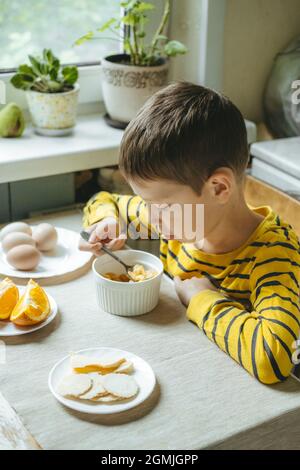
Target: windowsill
{"x": 93, "y": 144}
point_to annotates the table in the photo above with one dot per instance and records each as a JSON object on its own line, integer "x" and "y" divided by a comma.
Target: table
{"x": 203, "y": 399}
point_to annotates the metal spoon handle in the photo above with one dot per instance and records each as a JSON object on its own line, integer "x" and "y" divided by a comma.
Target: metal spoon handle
{"x": 110, "y": 253}
{"x": 85, "y": 235}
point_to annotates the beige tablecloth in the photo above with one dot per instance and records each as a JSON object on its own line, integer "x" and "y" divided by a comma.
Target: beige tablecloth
{"x": 202, "y": 399}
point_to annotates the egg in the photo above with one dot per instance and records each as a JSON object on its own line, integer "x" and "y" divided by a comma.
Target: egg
{"x": 24, "y": 257}
{"x": 15, "y": 227}
{"x": 45, "y": 236}
{"x": 16, "y": 238}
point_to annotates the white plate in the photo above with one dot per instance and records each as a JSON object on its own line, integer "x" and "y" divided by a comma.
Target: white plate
{"x": 7, "y": 328}
{"x": 143, "y": 374}
{"x": 65, "y": 258}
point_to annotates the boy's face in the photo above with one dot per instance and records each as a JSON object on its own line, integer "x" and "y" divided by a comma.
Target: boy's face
{"x": 179, "y": 212}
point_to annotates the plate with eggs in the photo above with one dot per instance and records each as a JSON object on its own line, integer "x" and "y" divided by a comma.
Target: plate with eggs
{"x": 24, "y": 309}
{"x": 39, "y": 251}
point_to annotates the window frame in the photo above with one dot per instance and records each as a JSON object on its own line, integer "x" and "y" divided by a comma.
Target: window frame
{"x": 209, "y": 61}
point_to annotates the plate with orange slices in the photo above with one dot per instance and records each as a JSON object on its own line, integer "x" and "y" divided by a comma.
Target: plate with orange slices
{"x": 24, "y": 309}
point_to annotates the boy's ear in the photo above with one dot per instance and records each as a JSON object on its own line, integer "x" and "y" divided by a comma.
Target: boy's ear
{"x": 220, "y": 183}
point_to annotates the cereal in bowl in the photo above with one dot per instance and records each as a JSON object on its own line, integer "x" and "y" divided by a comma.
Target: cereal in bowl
{"x": 138, "y": 273}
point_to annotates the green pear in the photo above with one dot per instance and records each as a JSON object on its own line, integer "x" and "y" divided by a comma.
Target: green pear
{"x": 12, "y": 122}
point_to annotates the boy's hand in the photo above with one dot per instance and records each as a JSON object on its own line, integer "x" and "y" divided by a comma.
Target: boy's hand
{"x": 187, "y": 288}
{"x": 102, "y": 232}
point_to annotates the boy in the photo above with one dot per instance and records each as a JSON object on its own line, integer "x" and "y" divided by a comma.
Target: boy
{"x": 188, "y": 145}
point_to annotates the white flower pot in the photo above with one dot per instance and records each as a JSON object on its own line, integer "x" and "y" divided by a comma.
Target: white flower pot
{"x": 127, "y": 87}
{"x": 53, "y": 114}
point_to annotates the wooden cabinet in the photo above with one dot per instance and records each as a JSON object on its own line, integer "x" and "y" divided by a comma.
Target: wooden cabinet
{"x": 259, "y": 193}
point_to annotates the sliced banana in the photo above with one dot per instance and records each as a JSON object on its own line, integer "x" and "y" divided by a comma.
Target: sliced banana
{"x": 120, "y": 385}
{"x": 125, "y": 368}
{"x": 111, "y": 360}
{"x": 107, "y": 399}
{"x": 86, "y": 364}
{"x": 97, "y": 389}
{"x": 99, "y": 379}
{"x": 74, "y": 385}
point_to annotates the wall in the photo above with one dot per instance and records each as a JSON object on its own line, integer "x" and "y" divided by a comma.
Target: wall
{"x": 255, "y": 30}
{"x": 186, "y": 27}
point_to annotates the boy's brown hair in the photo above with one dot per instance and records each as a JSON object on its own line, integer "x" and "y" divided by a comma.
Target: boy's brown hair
{"x": 183, "y": 133}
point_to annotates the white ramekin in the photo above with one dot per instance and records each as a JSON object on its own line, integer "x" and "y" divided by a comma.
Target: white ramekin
{"x": 124, "y": 298}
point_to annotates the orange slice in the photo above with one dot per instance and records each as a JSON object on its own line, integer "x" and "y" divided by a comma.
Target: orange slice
{"x": 9, "y": 296}
{"x": 33, "y": 306}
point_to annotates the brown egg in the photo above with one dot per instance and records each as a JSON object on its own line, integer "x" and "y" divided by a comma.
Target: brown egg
{"x": 13, "y": 239}
{"x": 15, "y": 227}
{"x": 23, "y": 257}
{"x": 45, "y": 236}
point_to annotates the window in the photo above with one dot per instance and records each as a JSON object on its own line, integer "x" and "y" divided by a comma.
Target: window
{"x": 28, "y": 26}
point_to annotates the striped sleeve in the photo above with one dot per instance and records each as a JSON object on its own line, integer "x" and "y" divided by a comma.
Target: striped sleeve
{"x": 130, "y": 210}
{"x": 261, "y": 340}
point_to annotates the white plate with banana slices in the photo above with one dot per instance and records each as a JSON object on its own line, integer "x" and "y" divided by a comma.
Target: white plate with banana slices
{"x": 101, "y": 380}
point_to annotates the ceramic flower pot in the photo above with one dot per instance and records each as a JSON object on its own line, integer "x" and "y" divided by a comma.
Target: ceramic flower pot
{"x": 127, "y": 87}
{"x": 53, "y": 114}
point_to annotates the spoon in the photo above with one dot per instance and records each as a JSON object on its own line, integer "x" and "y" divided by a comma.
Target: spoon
{"x": 85, "y": 235}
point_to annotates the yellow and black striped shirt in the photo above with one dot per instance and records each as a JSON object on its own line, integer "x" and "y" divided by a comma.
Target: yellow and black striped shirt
{"x": 255, "y": 315}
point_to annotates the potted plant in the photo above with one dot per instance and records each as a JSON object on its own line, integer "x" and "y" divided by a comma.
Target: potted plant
{"x": 51, "y": 91}
{"x": 131, "y": 77}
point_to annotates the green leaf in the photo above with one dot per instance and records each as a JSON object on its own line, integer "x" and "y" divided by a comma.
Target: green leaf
{"x": 144, "y": 6}
{"x": 53, "y": 73}
{"x": 129, "y": 19}
{"x": 173, "y": 48}
{"x": 162, "y": 37}
{"x": 26, "y": 69}
{"x": 117, "y": 24}
{"x": 70, "y": 75}
{"x": 129, "y": 5}
{"x": 36, "y": 66}
{"x": 48, "y": 56}
{"x": 44, "y": 68}
{"x": 54, "y": 69}
{"x": 22, "y": 81}
{"x": 106, "y": 25}
{"x": 56, "y": 65}
{"x": 84, "y": 38}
